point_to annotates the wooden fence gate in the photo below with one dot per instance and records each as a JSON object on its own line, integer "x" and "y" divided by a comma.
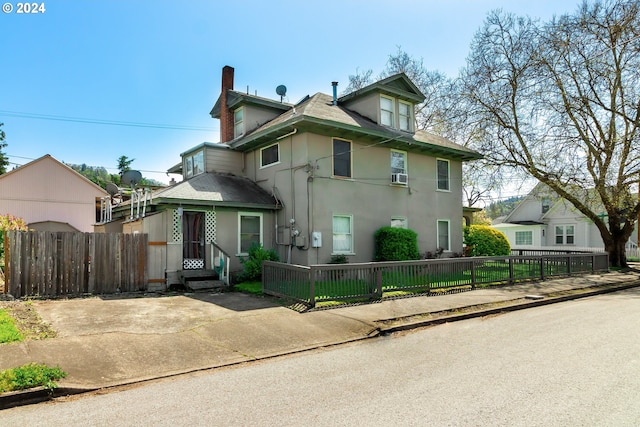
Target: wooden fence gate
{"x": 45, "y": 263}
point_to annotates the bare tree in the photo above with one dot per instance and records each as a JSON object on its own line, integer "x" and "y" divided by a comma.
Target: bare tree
{"x": 561, "y": 102}
{"x": 442, "y": 113}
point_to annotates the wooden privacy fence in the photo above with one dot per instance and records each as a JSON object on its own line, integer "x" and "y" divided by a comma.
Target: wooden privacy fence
{"x": 335, "y": 282}
{"x": 47, "y": 263}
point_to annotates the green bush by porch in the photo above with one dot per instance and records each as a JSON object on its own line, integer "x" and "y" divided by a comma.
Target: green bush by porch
{"x": 396, "y": 244}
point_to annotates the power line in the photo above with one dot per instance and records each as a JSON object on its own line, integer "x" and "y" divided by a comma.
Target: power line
{"x": 102, "y": 122}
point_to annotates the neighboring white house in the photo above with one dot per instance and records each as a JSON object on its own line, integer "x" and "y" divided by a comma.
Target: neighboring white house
{"x": 50, "y": 196}
{"x": 543, "y": 220}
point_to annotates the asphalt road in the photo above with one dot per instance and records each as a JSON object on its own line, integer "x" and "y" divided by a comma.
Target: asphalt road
{"x": 569, "y": 364}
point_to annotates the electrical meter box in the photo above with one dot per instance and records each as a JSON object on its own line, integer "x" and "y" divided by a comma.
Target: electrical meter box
{"x": 316, "y": 239}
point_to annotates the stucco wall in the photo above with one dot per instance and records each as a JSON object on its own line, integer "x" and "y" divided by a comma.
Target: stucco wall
{"x": 311, "y": 196}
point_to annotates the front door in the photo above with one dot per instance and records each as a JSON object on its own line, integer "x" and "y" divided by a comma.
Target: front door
{"x": 193, "y": 240}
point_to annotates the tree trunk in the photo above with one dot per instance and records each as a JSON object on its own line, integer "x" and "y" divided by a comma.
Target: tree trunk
{"x": 617, "y": 251}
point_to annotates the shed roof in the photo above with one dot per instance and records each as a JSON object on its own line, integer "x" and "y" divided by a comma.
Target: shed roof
{"x": 217, "y": 189}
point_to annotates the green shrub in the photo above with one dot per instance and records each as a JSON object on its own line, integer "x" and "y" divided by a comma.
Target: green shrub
{"x": 396, "y": 244}
{"x": 29, "y": 376}
{"x": 8, "y": 330}
{"x": 338, "y": 259}
{"x": 482, "y": 240}
{"x": 253, "y": 263}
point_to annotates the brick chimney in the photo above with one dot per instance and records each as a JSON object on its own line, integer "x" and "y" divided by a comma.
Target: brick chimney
{"x": 226, "y": 116}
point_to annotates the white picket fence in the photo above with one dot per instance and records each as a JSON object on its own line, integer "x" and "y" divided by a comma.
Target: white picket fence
{"x": 631, "y": 248}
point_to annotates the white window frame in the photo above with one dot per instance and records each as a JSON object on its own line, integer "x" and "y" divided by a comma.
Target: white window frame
{"x": 247, "y": 214}
{"x": 262, "y": 165}
{"x": 439, "y": 245}
{"x": 385, "y": 113}
{"x": 404, "y": 156}
{"x": 448, "y": 189}
{"x": 238, "y": 125}
{"x": 523, "y": 236}
{"x": 403, "y": 117}
{"x": 351, "y": 250}
{"x": 564, "y": 236}
{"x": 399, "y": 222}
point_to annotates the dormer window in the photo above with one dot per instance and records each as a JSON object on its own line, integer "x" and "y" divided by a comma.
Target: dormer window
{"x": 194, "y": 164}
{"x": 238, "y": 122}
{"x": 386, "y": 111}
{"x": 390, "y": 108}
{"x": 405, "y": 118}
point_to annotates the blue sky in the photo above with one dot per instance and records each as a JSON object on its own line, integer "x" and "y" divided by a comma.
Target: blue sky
{"x": 157, "y": 64}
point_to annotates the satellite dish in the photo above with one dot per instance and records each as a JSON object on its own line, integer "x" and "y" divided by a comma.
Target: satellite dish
{"x": 282, "y": 91}
{"x": 112, "y": 189}
{"x": 131, "y": 178}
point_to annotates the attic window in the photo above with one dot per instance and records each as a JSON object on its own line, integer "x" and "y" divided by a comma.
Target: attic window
{"x": 386, "y": 111}
{"x": 238, "y": 122}
{"x": 546, "y": 203}
{"x": 404, "y": 116}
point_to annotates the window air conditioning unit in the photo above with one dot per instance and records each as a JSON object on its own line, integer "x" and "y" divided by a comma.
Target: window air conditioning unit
{"x": 399, "y": 178}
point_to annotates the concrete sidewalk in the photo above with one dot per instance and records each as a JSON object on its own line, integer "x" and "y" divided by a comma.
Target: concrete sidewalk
{"x": 109, "y": 341}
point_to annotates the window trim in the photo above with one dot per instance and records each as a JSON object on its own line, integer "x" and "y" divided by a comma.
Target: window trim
{"x": 262, "y": 165}
{"x": 438, "y": 245}
{"x": 351, "y": 235}
{"x": 448, "y": 162}
{"x": 238, "y": 126}
{"x": 246, "y": 214}
{"x": 333, "y": 157}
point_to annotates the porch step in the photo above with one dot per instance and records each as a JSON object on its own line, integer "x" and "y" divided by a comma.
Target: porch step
{"x": 198, "y": 275}
{"x": 204, "y": 285}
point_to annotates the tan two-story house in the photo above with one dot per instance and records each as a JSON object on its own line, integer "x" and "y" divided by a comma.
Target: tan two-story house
{"x": 315, "y": 179}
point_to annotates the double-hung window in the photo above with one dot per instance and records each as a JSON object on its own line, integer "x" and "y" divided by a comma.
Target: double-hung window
{"x": 443, "y": 174}
{"x": 249, "y": 231}
{"x": 270, "y": 155}
{"x": 398, "y": 161}
{"x": 444, "y": 240}
{"x": 342, "y": 234}
{"x": 341, "y": 158}
{"x": 238, "y": 122}
{"x": 386, "y": 111}
{"x": 405, "y": 118}
{"x": 565, "y": 234}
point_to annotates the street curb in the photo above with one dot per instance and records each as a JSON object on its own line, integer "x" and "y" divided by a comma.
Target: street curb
{"x": 503, "y": 309}
{"x": 40, "y": 394}
{"x": 37, "y": 395}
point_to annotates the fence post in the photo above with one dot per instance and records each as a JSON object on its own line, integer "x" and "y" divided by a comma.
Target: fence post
{"x": 378, "y": 276}
{"x": 541, "y": 268}
{"x": 312, "y": 287}
{"x": 473, "y": 275}
{"x": 510, "y": 270}
{"x": 569, "y": 265}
